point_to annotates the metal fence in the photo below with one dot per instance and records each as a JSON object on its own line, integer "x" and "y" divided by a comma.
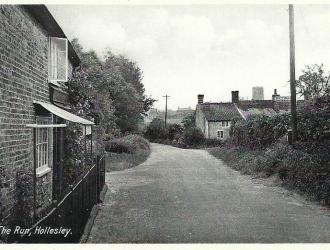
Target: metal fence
{"x": 72, "y": 212}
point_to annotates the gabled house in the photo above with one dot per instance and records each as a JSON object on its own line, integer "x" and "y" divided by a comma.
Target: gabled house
{"x": 215, "y": 119}
{"x": 36, "y": 59}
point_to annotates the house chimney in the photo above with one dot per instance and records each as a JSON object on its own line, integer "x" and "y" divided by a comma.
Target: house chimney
{"x": 235, "y": 96}
{"x": 200, "y": 99}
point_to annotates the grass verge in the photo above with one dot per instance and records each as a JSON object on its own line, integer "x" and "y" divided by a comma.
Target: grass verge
{"x": 126, "y": 152}
{"x": 304, "y": 168}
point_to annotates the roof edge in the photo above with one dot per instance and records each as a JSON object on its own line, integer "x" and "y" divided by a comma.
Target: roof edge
{"x": 41, "y": 13}
{"x": 240, "y": 112}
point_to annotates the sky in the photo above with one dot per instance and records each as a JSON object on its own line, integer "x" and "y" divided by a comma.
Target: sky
{"x": 185, "y": 50}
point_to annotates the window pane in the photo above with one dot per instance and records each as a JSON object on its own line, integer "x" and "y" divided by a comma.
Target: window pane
{"x": 61, "y": 65}
{"x": 58, "y": 59}
{"x": 44, "y": 138}
{"x": 42, "y": 142}
{"x": 39, "y": 135}
{"x": 45, "y": 154}
{"x": 39, "y": 155}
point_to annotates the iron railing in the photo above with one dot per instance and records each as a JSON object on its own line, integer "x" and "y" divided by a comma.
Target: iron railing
{"x": 72, "y": 212}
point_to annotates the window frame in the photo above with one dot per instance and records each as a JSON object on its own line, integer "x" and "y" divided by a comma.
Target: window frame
{"x": 225, "y": 124}
{"x": 52, "y": 60}
{"x": 42, "y": 145}
{"x": 220, "y": 134}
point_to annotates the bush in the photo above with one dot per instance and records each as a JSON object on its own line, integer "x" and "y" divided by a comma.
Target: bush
{"x": 128, "y": 144}
{"x": 213, "y": 143}
{"x": 155, "y": 130}
{"x": 193, "y": 136}
{"x": 314, "y": 120}
{"x": 174, "y": 131}
{"x": 188, "y": 121}
{"x": 117, "y": 146}
{"x": 307, "y": 174}
{"x": 126, "y": 152}
{"x": 74, "y": 148}
{"x": 24, "y": 208}
{"x": 259, "y": 131}
{"x": 304, "y": 168}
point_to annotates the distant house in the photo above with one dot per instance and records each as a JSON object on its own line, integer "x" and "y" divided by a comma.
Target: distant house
{"x": 173, "y": 116}
{"x": 36, "y": 59}
{"x": 215, "y": 119}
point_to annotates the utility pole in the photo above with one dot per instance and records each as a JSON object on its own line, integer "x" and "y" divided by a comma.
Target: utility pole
{"x": 166, "y": 97}
{"x": 292, "y": 75}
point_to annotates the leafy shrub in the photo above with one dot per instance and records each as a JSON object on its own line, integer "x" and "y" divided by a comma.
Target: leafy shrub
{"x": 24, "y": 209}
{"x": 117, "y": 146}
{"x": 213, "y": 143}
{"x": 127, "y": 144}
{"x": 74, "y": 148}
{"x": 308, "y": 174}
{"x": 304, "y": 168}
{"x": 188, "y": 121}
{"x": 193, "y": 136}
{"x": 155, "y": 130}
{"x": 126, "y": 152}
{"x": 314, "y": 120}
{"x": 259, "y": 131}
{"x": 174, "y": 131}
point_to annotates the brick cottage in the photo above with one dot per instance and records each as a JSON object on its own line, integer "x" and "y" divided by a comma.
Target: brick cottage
{"x": 36, "y": 59}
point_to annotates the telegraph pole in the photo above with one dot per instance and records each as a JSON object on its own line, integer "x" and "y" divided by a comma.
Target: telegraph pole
{"x": 166, "y": 97}
{"x": 292, "y": 75}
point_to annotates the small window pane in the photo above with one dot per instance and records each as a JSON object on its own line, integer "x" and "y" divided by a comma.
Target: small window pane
{"x": 42, "y": 142}
{"x": 58, "y": 59}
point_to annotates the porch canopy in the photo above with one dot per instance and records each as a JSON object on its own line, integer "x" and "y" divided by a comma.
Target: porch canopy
{"x": 63, "y": 113}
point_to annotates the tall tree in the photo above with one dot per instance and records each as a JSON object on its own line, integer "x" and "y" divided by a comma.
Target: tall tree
{"x": 313, "y": 83}
{"x": 86, "y": 94}
{"x": 127, "y": 91}
{"x": 111, "y": 90}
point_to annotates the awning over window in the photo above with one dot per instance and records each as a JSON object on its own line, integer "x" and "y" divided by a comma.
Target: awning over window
{"x": 63, "y": 113}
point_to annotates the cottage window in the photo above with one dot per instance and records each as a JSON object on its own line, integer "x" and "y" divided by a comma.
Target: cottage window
{"x": 219, "y": 134}
{"x": 224, "y": 123}
{"x": 58, "y": 59}
{"x": 42, "y": 144}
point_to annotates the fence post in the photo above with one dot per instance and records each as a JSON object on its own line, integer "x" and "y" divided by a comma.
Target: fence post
{"x": 71, "y": 210}
{"x": 98, "y": 177}
{"x": 103, "y": 171}
{"x": 95, "y": 185}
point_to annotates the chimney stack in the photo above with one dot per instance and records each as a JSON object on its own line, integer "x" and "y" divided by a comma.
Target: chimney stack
{"x": 200, "y": 99}
{"x": 235, "y": 96}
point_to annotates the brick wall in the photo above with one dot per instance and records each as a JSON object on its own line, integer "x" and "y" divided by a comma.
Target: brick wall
{"x": 23, "y": 78}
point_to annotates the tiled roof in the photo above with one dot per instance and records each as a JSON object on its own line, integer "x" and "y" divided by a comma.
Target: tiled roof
{"x": 228, "y": 111}
{"x": 220, "y": 111}
{"x": 258, "y": 111}
{"x": 257, "y": 104}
